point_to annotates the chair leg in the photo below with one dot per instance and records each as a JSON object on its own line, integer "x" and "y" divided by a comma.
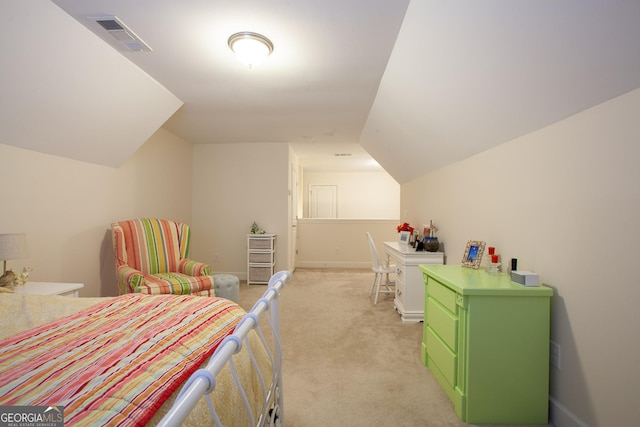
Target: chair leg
{"x": 379, "y": 276}
{"x": 373, "y": 284}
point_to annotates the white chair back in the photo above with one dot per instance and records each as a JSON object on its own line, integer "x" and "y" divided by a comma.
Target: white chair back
{"x": 375, "y": 259}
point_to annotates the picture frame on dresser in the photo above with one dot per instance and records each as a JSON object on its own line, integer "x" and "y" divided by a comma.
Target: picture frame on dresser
{"x": 473, "y": 254}
{"x": 404, "y": 237}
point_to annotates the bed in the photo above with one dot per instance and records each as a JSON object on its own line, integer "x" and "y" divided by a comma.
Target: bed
{"x": 144, "y": 360}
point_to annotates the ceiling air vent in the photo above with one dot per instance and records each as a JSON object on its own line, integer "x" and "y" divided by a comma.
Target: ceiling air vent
{"x": 125, "y": 38}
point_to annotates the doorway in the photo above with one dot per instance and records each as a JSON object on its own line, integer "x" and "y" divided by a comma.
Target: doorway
{"x": 323, "y": 201}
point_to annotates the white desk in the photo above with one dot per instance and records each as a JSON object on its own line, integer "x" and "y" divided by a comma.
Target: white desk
{"x": 409, "y": 300}
{"x": 49, "y": 288}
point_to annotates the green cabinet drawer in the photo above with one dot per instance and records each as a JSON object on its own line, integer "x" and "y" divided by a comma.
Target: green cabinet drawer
{"x": 486, "y": 341}
{"x": 442, "y": 356}
{"x": 442, "y": 294}
{"x": 443, "y": 322}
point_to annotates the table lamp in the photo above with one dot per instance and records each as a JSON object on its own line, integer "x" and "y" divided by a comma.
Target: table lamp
{"x": 12, "y": 246}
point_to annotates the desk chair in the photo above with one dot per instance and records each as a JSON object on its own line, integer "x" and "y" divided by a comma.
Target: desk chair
{"x": 380, "y": 269}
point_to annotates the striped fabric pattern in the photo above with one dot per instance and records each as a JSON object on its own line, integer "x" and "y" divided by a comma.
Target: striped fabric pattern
{"x": 116, "y": 362}
{"x": 152, "y": 245}
{"x": 152, "y": 258}
{"x": 176, "y": 283}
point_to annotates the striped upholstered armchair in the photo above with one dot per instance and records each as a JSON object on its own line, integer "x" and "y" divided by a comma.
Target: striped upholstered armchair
{"x": 152, "y": 257}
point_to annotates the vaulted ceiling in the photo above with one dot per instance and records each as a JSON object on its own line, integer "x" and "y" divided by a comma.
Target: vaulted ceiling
{"x": 416, "y": 85}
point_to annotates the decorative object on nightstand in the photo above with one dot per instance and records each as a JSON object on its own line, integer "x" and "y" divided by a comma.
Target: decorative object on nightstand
{"x": 255, "y": 229}
{"x": 405, "y": 233}
{"x": 429, "y": 240}
{"x": 473, "y": 254}
{"x": 11, "y": 279}
{"x": 405, "y": 227}
{"x": 22, "y": 278}
{"x": 12, "y": 246}
{"x": 7, "y": 279}
{"x": 494, "y": 262}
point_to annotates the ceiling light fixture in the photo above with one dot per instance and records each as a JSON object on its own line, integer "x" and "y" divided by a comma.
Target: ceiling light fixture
{"x": 250, "y": 48}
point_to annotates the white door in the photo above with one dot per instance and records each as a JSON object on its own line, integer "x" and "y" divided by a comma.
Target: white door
{"x": 323, "y": 201}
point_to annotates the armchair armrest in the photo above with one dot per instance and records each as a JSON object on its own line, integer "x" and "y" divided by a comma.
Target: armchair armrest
{"x": 193, "y": 268}
{"x": 129, "y": 279}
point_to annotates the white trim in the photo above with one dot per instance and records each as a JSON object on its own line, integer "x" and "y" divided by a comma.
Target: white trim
{"x": 334, "y": 264}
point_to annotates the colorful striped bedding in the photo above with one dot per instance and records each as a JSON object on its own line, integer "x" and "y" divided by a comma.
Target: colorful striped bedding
{"x": 116, "y": 362}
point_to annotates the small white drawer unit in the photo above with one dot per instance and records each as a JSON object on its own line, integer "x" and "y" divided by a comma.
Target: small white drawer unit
{"x": 261, "y": 258}
{"x": 409, "y": 299}
{"x": 49, "y": 288}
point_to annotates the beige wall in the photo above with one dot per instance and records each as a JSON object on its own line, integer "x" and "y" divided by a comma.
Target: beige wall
{"x": 66, "y": 206}
{"x": 360, "y": 194}
{"x": 341, "y": 243}
{"x": 235, "y": 185}
{"x": 565, "y": 201}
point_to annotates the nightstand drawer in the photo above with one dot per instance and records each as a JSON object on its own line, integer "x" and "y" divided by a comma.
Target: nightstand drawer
{"x": 400, "y": 287}
{"x": 442, "y": 294}
{"x": 443, "y": 322}
{"x": 441, "y": 356}
{"x": 401, "y": 272}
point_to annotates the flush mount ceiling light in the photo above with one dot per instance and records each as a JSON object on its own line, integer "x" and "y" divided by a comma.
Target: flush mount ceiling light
{"x": 250, "y": 48}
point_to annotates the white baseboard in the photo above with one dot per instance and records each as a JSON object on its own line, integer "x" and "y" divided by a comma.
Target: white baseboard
{"x": 334, "y": 264}
{"x": 561, "y": 416}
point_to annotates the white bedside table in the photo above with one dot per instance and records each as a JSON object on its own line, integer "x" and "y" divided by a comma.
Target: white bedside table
{"x": 49, "y": 288}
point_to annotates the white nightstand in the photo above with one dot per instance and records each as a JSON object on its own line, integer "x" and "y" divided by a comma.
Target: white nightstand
{"x": 49, "y": 288}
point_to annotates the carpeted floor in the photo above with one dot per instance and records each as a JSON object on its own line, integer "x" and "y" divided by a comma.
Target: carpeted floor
{"x": 348, "y": 362}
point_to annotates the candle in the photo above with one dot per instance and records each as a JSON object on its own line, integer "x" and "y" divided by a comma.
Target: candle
{"x": 492, "y": 250}
{"x": 494, "y": 258}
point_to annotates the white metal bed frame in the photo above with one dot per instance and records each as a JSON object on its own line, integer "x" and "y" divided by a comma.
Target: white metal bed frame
{"x": 202, "y": 382}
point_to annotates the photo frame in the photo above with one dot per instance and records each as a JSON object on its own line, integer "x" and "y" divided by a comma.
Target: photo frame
{"x": 473, "y": 254}
{"x": 404, "y": 237}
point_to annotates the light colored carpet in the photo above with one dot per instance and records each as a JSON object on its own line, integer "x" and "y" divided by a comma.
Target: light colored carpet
{"x": 348, "y": 362}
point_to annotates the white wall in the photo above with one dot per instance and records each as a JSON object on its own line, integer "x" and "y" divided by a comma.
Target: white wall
{"x": 233, "y": 186}
{"x": 66, "y": 92}
{"x": 66, "y": 207}
{"x": 360, "y": 194}
{"x": 565, "y": 201}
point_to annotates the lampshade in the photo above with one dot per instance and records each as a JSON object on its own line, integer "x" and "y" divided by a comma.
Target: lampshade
{"x": 250, "y": 48}
{"x": 13, "y": 246}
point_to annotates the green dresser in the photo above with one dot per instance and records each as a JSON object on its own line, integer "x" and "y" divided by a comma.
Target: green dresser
{"x": 486, "y": 340}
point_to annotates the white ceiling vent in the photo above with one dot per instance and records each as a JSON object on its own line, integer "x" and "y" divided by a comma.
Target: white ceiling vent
{"x": 125, "y": 39}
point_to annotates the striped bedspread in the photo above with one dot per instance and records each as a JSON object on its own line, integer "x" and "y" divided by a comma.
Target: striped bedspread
{"x": 116, "y": 362}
